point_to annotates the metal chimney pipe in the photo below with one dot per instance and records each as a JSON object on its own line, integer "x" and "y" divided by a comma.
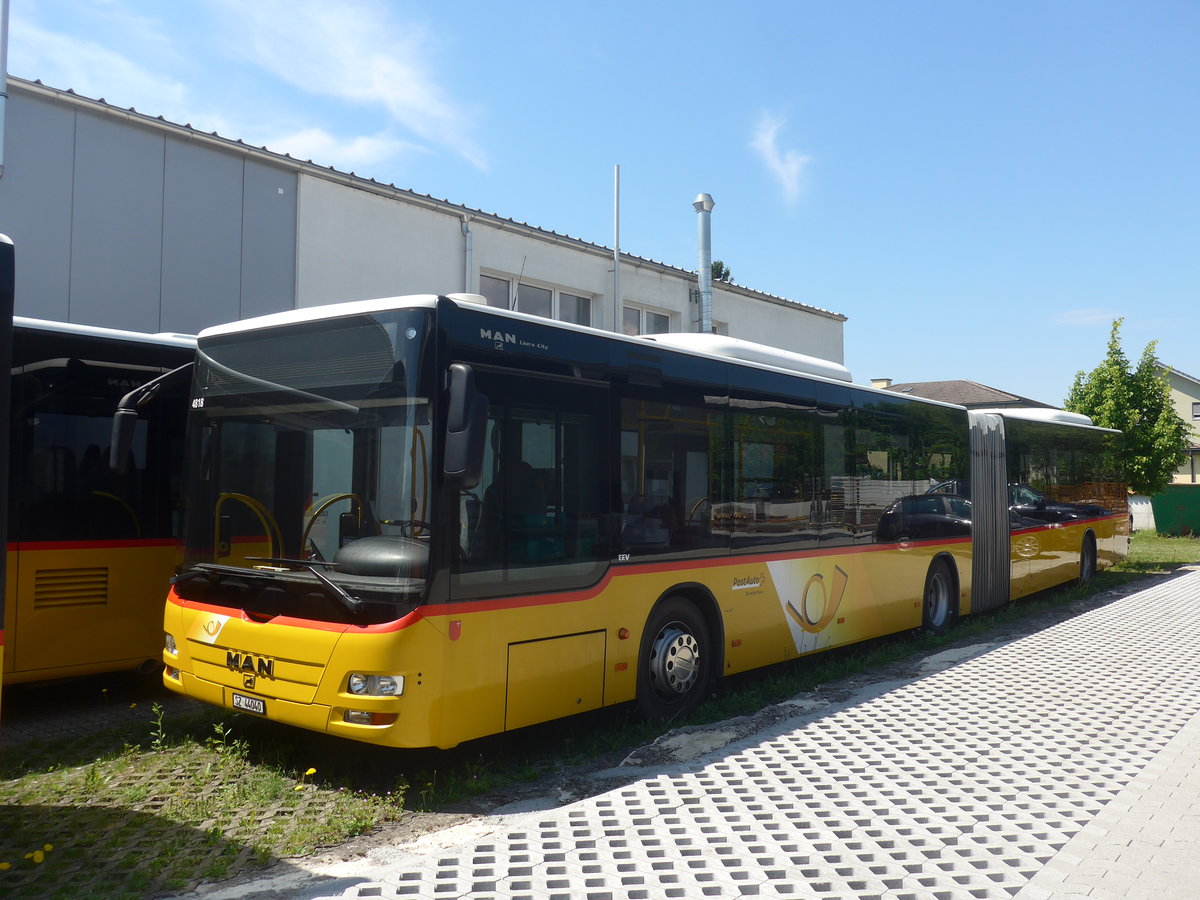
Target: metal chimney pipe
{"x": 703, "y": 205}
{"x": 617, "y": 309}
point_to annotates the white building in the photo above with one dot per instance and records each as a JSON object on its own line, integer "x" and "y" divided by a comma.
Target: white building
{"x": 125, "y": 220}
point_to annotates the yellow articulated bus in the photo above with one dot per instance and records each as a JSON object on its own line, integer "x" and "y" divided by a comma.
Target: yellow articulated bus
{"x": 417, "y": 521}
{"x": 91, "y": 547}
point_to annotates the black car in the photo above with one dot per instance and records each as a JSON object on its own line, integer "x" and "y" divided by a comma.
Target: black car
{"x": 1027, "y": 503}
{"x": 922, "y": 517}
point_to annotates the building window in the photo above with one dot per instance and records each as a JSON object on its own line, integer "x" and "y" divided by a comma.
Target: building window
{"x": 496, "y": 290}
{"x": 537, "y": 301}
{"x": 575, "y": 309}
{"x": 640, "y": 320}
{"x": 1196, "y": 412}
{"x": 534, "y": 300}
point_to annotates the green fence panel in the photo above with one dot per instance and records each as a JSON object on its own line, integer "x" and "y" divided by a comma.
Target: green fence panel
{"x": 1177, "y": 509}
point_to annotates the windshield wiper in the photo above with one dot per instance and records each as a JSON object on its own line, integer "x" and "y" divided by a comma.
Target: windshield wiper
{"x": 336, "y": 591}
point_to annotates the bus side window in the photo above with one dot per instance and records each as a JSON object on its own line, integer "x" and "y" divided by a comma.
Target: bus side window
{"x": 778, "y": 501}
{"x": 671, "y": 492}
{"x": 539, "y": 517}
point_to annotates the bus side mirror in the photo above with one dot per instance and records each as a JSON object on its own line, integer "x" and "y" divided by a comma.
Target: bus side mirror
{"x": 124, "y": 424}
{"x": 466, "y": 425}
{"x": 125, "y": 418}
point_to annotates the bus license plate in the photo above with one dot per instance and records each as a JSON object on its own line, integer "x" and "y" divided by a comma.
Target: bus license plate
{"x": 250, "y": 704}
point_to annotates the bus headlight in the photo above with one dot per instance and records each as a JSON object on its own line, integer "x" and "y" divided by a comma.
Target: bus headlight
{"x": 169, "y": 644}
{"x": 375, "y": 685}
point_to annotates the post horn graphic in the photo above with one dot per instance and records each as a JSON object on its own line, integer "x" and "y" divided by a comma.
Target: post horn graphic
{"x": 818, "y": 603}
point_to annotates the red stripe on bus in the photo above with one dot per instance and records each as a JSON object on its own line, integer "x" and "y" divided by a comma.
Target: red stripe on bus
{"x": 623, "y": 571}
{"x": 1048, "y": 526}
{"x": 91, "y": 545}
{"x": 443, "y": 610}
{"x": 333, "y": 627}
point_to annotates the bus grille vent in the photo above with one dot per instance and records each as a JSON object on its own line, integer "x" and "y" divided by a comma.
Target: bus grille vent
{"x": 70, "y": 588}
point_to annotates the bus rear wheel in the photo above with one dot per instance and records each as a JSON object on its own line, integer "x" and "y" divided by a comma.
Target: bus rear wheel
{"x": 676, "y": 659}
{"x": 1087, "y": 560}
{"x": 938, "y": 604}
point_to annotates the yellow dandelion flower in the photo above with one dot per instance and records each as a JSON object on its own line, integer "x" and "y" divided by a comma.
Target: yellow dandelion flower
{"x": 47, "y": 847}
{"x": 298, "y": 787}
{"x": 5, "y": 866}
{"x": 38, "y": 856}
{"x": 311, "y": 772}
{"x": 133, "y": 706}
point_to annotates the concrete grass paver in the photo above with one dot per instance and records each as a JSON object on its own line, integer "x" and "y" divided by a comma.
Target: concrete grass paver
{"x": 1063, "y": 764}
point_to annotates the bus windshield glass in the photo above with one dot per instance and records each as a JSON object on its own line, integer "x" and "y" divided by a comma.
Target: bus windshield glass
{"x": 309, "y": 479}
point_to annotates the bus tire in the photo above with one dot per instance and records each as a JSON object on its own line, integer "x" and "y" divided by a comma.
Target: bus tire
{"x": 1087, "y": 560}
{"x": 676, "y": 660}
{"x": 937, "y": 603}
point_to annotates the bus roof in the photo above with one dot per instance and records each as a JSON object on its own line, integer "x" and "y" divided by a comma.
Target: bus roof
{"x": 1043, "y": 414}
{"x": 172, "y": 339}
{"x": 720, "y": 347}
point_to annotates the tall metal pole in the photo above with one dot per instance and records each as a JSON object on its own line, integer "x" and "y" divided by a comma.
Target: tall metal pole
{"x": 617, "y": 249}
{"x": 704, "y": 205}
{"x": 3, "y": 76}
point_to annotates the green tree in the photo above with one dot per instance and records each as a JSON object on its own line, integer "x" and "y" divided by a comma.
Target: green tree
{"x": 720, "y": 271}
{"x": 1138, "y": 402}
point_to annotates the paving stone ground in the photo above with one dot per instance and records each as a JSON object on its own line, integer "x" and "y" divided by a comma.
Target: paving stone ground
{"x": 1064, "y": 764}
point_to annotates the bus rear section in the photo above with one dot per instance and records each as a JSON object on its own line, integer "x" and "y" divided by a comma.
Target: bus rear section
{"x": 91, "y": 547}
{"x": 1052, "y": 501}
{"x": 418, "y": 521}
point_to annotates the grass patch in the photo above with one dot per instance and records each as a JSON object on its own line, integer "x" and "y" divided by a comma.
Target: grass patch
{"x": 189, "y": 802}
{"x": 137, "y": 811}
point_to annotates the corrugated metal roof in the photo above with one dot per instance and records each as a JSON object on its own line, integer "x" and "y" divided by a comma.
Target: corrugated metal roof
{"x": 354, "y": 180}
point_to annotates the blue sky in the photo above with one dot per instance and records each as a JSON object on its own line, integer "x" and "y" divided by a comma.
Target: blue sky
{"x": 981, "y": 187}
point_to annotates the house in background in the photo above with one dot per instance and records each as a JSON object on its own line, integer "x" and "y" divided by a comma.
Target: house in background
{"x": 1185, "y": 394}
{"x": 970, "y": 394}
{"x": 1177, "y": 509}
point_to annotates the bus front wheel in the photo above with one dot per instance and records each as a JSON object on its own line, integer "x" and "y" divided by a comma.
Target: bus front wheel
{"x": 675, "y": 664}
{"x": 938, "y": 604}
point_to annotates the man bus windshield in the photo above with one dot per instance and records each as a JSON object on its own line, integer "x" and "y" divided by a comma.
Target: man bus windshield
{"x": 310, "y": 484}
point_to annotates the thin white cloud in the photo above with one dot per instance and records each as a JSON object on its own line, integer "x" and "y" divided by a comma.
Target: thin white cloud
{"x": 1086, "y": 316}
{"x": 90, "y": 69}
{"x": 351, "y": 154}
{"x": 786, "y": 166}
{"x": 357, "y": 52}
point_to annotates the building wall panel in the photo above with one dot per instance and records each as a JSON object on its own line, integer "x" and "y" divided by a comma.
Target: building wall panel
{"x": 268, "y": 272}
{"x": 117, "y": 223}
{"x": 35, "y": 203}
{"x": 202, "y": 237}
{"x": 354, "y": 245}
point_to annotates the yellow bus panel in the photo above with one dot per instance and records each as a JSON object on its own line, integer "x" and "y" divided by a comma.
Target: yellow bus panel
{"x": 82, "y": 608}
